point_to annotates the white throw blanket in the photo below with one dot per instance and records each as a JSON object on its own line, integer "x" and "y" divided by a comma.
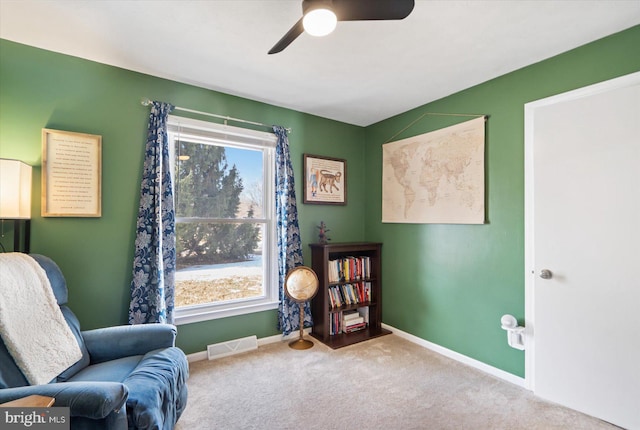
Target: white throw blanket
{"x": 31, "y": 323}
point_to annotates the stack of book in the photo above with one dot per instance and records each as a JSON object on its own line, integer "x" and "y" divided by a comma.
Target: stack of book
{"x": 352, "y": 321}
{"x": 349, "y": 321}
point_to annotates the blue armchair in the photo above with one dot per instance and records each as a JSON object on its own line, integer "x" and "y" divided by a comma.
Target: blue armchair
{"x": 129, "y": 377}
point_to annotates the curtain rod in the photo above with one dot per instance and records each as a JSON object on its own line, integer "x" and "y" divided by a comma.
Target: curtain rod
{"x": 147, "y": 102}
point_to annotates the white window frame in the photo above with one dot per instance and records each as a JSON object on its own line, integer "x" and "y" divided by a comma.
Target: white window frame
{"x": 241, "y": 138}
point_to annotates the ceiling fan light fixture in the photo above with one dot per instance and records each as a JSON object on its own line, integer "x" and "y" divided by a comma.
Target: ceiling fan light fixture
{"x": 319, "y": 22}
{"x": 321, "y": 16}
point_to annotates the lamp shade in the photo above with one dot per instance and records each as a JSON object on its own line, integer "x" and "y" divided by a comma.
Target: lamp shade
{"x": 15, "y": 189}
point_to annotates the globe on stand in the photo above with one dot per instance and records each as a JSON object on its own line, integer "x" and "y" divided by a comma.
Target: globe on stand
{"x": 300, "y": 285}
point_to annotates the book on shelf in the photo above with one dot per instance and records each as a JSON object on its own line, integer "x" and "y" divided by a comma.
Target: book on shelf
{"x": 352, "y": 321}
{"x": 349, "y": 321}
{"x": 355, "y": 327}
{"x": 349, "y": 315}
{"x": 349, "y": 294}
{"x": 335, "y": 298}
{"x": 349, "y": 269}
{"x": 334, "y": 273}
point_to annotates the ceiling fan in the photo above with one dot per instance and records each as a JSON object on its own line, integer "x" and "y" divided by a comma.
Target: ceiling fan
{"x": 319, "y": 17}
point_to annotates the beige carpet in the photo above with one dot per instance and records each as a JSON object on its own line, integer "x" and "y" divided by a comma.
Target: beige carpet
{"x": 384, "y": 383}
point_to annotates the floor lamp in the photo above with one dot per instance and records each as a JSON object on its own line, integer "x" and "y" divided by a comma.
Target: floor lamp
{"x": 15, "y": 200}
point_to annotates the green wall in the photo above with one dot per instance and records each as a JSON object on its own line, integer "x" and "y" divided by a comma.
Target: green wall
{"x": 40, "y": 89}
{"x": 450, "y": 284}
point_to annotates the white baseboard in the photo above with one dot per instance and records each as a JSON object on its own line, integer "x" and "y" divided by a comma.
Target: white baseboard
{"x": 202, "y": 355}
{"x": 197, "y": 356}
{"x": 493, "y": 371}
{"x": 280, "y": 338}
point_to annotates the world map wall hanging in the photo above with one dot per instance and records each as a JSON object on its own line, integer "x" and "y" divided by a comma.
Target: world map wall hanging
{"x": 436, "y": 177}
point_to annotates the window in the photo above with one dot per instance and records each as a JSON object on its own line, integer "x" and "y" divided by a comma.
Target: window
{"x": 224, "y": 179}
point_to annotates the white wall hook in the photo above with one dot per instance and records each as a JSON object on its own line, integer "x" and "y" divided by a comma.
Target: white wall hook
{"x": 515, "y": 333}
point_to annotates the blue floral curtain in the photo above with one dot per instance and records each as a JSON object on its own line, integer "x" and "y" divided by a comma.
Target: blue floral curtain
{"x": 153, "y": 284}
{"x": 288, "y": 232}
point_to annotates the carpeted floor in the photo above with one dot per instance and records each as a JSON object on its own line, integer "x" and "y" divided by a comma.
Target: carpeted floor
{"x": 384, "y": 383}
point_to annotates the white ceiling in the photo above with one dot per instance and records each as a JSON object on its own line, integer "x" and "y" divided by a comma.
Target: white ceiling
{"x": 360, "y": 74}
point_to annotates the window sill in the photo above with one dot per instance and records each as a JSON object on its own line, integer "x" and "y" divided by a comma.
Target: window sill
{"x": 188, "y": 316}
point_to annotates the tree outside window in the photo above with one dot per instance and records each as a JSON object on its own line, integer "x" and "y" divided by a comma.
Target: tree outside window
{"x": 222, "y": 226}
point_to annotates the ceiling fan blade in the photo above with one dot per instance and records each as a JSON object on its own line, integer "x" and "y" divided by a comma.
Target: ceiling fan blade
{"x": 365, "y": 10}
{"x": 286, "y": 40}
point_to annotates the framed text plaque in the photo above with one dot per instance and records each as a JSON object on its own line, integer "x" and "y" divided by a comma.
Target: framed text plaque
{"x": 71, "y": 174}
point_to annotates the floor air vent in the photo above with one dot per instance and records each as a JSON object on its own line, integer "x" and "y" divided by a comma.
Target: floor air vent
{"x": 232, "y": 347}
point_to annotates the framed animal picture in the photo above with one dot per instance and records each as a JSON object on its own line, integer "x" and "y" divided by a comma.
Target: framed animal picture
{"x": 325, "y": 180}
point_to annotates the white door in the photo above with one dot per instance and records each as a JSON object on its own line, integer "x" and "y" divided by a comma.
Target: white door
{"x": 583, "y": 227}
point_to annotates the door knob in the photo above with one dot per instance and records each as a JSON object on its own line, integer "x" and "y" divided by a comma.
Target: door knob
{"x": 546, "y": 274}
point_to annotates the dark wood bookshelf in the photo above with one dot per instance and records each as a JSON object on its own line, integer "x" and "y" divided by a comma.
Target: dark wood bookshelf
{"x": 321, "y": 308}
